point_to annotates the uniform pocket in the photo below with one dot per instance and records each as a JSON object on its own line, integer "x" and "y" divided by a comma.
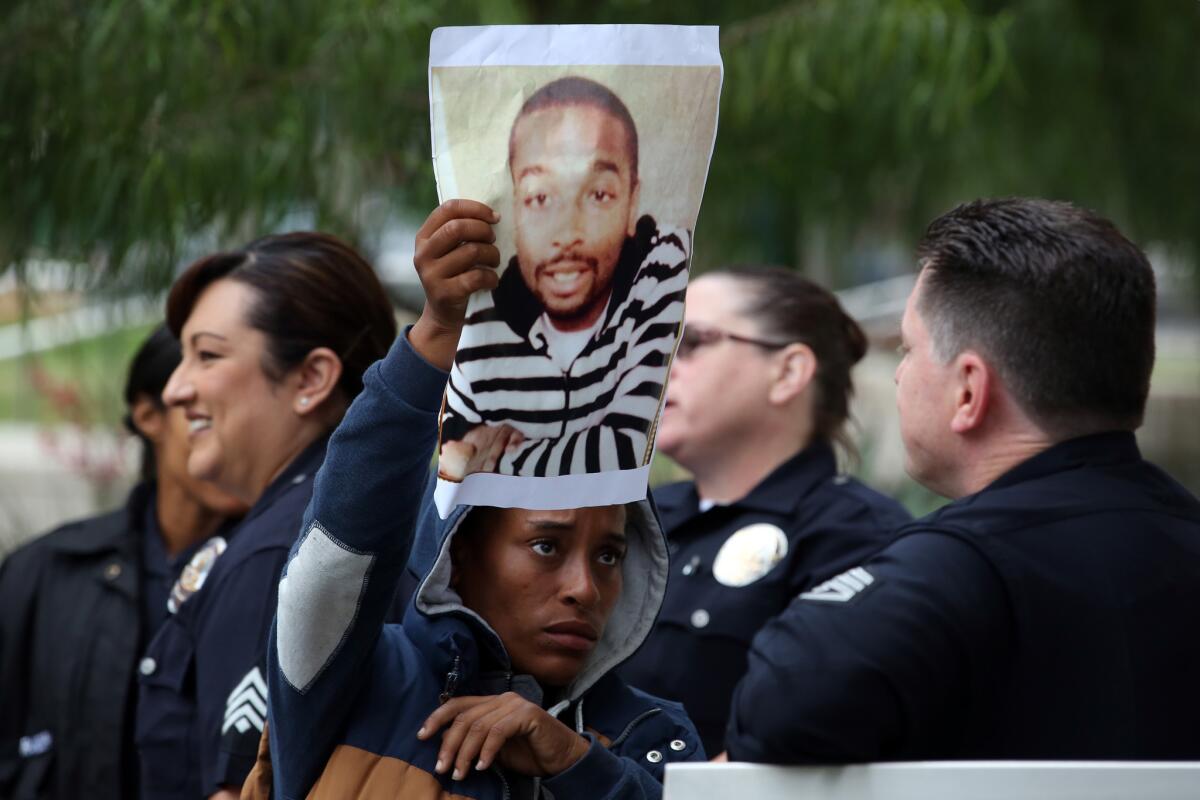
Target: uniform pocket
{"x": 166, "y": 711}
{"x": 719, "y": 613}
{"x": 704, "y": 635}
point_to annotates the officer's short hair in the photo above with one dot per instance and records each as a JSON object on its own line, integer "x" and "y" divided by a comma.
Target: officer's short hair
{"x": 576, "y": 91}
{"x": 1055, "y": 297}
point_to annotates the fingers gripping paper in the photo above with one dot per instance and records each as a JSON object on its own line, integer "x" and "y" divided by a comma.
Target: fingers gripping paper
{"x": 593, "y": 144}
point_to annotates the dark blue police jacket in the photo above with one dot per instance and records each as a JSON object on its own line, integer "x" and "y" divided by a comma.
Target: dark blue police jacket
{"x": 209, "y": 646}
{"x": 1053, "y": 615}
{"x": 725, "y": 581}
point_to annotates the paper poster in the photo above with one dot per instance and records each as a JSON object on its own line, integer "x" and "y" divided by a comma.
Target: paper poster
{"x": 593, "y": 144}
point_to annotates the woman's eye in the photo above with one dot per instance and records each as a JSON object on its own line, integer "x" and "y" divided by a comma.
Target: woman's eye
{"x": 206, "y": 355}
{"x": 602, "y": 195}
{"x": 543, "y": 548}
{"x": 611, "y": 558}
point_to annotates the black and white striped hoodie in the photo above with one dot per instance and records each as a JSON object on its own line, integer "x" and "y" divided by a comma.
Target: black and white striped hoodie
{"x": 600, "y": 413}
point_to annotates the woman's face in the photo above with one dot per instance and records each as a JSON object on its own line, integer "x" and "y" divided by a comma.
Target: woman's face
{"x": 172, "y": 451}
{"x": 243, "y": 429}
{"x": 717, "y": 394}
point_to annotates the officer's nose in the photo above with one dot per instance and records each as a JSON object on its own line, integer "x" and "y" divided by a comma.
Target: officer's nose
{"x": 179, "y": 390}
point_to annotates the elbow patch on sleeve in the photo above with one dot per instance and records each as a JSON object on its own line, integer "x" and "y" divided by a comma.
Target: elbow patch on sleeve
{"x": 319, "y": 598}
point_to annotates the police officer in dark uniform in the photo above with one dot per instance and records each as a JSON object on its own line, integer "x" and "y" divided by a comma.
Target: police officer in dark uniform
{"x": 757, "y": 398}
{"x": 79, "y": 605}
{"x": 276, "y": 337}
{"x": 1051, "y": 611}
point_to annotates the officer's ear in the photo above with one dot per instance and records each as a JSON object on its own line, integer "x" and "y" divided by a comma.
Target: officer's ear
{"x": 314, "y": 380}
{"x": 974, "y": 382}
{"x": 148, "y": 418}
{"x": 795, "y": 366}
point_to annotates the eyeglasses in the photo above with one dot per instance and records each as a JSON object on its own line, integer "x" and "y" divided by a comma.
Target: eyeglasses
{"x": 694, "y": 338}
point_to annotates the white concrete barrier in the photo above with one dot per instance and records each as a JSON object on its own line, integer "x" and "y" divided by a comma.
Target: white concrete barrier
{"x": 939, "y": 780}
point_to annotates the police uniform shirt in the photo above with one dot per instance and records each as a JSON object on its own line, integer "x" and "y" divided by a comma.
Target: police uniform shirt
{"x": 159, "y": 570}
{"x": 736, "y": 566}
{"x": 1053, "y": 615}
{"x": 210, "y": 644}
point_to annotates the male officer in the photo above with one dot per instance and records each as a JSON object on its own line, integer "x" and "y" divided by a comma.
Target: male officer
{"x": 562, "y": 367}
{"x": 1051, "y": 610}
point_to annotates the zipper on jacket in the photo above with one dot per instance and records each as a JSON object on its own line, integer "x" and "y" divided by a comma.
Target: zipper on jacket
{"x": 451, "y": 681}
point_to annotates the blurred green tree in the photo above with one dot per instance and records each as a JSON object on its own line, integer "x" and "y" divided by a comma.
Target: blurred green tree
{"x": 132, "y": 127}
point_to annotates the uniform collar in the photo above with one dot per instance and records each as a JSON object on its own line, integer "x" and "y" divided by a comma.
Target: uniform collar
{"x": 1113, "y": 447}
{"x": 779, "y": 493}
{"x": 303, "y": 468}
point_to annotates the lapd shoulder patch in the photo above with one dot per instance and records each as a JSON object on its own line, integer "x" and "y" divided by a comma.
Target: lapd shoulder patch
{"x": 842, "y": 588}
{"x": 749, "y": 554}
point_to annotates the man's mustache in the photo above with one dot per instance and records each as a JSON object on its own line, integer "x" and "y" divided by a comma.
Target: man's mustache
{"x": 570, "y": 255}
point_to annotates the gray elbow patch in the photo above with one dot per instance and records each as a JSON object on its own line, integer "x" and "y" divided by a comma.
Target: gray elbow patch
{"x": 318, "y": 602}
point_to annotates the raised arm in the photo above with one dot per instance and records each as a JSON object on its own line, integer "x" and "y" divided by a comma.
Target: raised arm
{"x": 357, "y": 532}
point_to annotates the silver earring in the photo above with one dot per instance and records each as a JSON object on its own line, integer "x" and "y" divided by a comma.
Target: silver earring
{"x": 303, "y": 401}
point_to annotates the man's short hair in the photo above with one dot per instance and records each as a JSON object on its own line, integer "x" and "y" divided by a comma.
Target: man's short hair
{"x": 575, "y": 91}
{"x": 1055, "y": 297}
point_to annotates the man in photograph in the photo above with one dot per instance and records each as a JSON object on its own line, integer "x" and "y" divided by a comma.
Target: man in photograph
{"x": 565, "y": 369}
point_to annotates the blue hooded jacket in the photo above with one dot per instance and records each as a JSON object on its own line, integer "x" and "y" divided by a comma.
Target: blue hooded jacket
{"x": 348, "y": 692}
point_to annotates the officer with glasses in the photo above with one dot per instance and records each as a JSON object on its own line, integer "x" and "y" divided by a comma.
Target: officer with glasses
{"x": 757, "y": 400}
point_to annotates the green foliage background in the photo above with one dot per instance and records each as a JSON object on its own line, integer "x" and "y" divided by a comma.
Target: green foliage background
{"x": 130, "y": 127}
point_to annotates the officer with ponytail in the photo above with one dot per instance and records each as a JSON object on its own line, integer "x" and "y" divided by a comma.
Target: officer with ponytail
{"x": 757, "y": 403}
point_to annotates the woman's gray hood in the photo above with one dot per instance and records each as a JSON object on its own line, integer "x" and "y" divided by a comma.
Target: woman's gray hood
{"x": 644, "y": 582}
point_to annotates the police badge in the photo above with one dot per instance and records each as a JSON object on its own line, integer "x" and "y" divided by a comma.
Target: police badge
{"x": 749, "y": 554}
{"x": 195, "y": 573}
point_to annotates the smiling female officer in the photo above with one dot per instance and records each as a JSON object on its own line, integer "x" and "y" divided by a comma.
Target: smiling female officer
{"x": 275, "y": 339}
{"x": 758, "y": 394}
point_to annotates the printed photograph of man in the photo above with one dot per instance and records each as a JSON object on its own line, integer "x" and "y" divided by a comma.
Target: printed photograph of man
{"x": 562, "y": 366}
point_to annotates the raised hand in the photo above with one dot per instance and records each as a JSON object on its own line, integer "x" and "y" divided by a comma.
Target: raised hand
{"x": 455, "y": 257}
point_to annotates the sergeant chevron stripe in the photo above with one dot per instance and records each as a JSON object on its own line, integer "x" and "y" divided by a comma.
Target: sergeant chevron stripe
{"x": 247, "y": 704}
{"x": 842, "y": 588}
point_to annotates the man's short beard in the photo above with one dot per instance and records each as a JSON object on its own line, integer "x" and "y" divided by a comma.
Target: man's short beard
{"x": 588, "y": 305}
